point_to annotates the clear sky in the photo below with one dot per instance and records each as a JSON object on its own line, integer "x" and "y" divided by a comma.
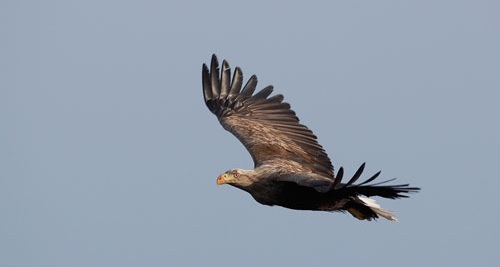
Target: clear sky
{"x": 108, "y": 155}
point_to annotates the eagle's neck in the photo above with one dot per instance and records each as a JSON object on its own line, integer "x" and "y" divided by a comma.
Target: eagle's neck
{"x": 257, "y": 182}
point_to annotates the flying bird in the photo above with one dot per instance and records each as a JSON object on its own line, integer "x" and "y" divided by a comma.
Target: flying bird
{"x": 291, "y": 169}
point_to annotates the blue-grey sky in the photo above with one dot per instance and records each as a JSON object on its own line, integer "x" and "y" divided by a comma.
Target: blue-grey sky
{"x": 108, "y": 155}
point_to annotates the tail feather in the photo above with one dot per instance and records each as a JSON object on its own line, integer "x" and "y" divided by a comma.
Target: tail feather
{"x": 364, "y": 208}
{"x": 372, "y": 204}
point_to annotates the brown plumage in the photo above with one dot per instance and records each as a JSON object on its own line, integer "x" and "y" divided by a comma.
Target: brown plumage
{"x": 291, "y": 169}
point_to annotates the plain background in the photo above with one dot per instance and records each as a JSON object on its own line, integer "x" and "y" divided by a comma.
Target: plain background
{"x": 108, "y": 155}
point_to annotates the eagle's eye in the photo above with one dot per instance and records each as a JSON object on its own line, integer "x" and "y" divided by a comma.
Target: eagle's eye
{"x": 235, "y": 174}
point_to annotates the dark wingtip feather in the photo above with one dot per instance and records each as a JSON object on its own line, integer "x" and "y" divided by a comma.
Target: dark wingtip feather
{"x": 277, "y": 98}
{"x": 207, "y": 88}
{"x": 214, "y": 77}
{"x": 264, "y": 93}
{"x": 338, "y": 178}
{"x": 371, "y": 178}
{"x": 236, "y": 83}
{"x": 356, "y": 175}
{"x": 248, "y": 90}
{"x": 225, "y": 79}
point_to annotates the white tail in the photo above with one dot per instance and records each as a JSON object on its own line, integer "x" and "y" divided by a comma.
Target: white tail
{"x": 377, "y": 209}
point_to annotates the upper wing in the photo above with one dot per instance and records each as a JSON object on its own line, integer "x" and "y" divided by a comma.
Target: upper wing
{"x": 266, "y": 126}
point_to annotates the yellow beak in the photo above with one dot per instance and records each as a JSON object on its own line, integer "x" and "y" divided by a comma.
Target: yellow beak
{"x": 221, "y": 179}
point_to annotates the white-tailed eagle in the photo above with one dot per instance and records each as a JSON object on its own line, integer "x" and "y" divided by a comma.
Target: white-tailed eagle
{"x": 291, "y": 169}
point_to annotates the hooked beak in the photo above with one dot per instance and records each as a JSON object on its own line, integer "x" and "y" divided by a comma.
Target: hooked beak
{"x": 221, "y": 179}
{"x": 225, "y": 178}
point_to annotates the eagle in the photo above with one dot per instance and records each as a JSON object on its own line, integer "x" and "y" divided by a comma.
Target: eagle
{"x": 291, "y": 169}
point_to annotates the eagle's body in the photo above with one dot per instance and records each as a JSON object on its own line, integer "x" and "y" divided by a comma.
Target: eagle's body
{"x": 291, "y": 169}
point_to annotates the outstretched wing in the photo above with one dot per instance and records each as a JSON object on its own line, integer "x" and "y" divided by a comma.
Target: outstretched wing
{"x": 266, "y": 125}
